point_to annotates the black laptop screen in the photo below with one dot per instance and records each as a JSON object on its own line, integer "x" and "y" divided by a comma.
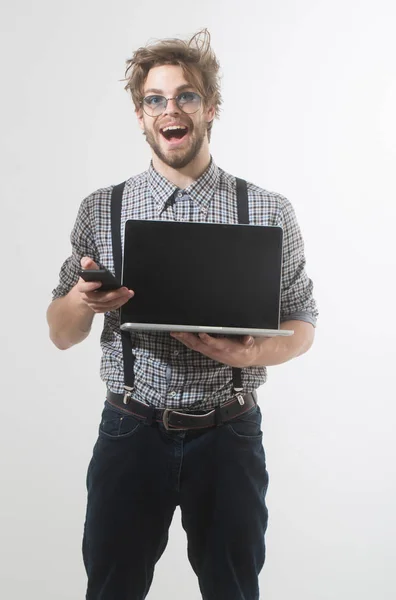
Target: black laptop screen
{"x": 202, "y": 274}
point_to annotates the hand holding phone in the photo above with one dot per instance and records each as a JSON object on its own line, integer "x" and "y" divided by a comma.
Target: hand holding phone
{"x": 109, "y": 296}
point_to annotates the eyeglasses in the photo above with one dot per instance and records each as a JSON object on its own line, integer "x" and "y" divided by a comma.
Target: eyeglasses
{"x": 188, "y": 102}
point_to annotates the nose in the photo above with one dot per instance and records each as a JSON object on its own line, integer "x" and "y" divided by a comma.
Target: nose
{"x": 171, "y": 107}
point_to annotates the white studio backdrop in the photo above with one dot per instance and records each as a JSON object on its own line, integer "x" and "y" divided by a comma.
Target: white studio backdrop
{"x": 309, "y": 111}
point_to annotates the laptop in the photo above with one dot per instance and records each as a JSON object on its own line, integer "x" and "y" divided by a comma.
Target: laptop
{"x": 203, "y": 277}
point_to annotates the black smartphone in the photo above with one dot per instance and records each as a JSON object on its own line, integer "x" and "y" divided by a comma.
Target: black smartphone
{"x": 109, "y": 282}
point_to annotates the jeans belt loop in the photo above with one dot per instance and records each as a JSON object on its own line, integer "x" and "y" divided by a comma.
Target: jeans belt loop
{"x": 150, "y": 417}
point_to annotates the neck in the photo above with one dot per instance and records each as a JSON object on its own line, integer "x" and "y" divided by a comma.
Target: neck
{"x": 188, "y": 174}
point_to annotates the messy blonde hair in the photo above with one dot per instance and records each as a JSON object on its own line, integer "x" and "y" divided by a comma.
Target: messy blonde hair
{"x": 195, "y": 57}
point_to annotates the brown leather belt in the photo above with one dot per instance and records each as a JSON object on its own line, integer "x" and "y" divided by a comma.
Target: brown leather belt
{"x": 183, "y": 419}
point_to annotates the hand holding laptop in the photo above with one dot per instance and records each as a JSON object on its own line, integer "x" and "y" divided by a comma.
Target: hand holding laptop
{"x": 240, "y": 353}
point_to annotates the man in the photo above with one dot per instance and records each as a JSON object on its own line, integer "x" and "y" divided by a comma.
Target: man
{"x": 141, "y": 470}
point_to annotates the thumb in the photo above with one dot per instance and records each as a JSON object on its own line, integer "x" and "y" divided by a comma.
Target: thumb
{"x": 88, "y": 263}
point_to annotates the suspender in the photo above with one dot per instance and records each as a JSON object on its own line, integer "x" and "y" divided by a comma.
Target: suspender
{"x": 242, "y": 201}
{"x": 128, "y": 356}
{"x": 116, "y": 204}
{"x": 243, "y": 218}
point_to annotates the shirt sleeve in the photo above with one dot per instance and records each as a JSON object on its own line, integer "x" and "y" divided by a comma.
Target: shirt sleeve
{"x": 297, "y": 301}
{"x": 83, "y": 244}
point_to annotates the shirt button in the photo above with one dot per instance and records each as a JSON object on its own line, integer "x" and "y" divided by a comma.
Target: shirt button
{"x": 176, "y": 353}
{"x": 172, "y": 394}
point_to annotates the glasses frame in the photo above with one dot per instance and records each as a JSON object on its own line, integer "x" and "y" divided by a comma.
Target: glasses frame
{"x": 166, "y": 103}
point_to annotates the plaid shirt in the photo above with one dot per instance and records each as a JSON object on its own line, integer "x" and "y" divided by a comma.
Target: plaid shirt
{"x": 168, "y": 374}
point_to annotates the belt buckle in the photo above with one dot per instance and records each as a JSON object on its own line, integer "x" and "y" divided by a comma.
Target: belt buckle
{"x": 165, "y": 421}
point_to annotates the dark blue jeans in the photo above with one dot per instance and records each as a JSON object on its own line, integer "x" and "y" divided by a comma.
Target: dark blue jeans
{"x": 139, "y": 473}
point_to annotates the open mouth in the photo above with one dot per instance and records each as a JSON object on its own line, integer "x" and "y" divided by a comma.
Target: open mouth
{"x": 174, "y": 133}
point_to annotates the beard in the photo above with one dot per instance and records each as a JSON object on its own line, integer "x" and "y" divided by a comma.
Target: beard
{"x": 178, "y": 159}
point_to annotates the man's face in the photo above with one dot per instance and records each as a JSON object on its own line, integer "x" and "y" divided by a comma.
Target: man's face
{"x": 176, "y": 150}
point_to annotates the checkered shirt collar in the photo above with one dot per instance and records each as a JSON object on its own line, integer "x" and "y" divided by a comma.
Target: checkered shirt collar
{"x": 200, "y": 191}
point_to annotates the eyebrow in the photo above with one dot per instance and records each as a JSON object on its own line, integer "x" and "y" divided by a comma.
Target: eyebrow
{"x": 161, "y": 92}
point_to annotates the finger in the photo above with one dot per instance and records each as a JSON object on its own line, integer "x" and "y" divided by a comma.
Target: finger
{"x": 189, "y": 339}
{"x": 247, "y": 340}
{"x": 218, "y": 343}
{"x": 100, "y": 310}
{"x": 205, "y": 337}
{"x": 108, "y": 306}
{"x": 98, "y": 297}
{"x": 88, "y": 286}
{"x": 211, "y": 347}
{"x": 97, "y": 304}
{"x": 88, "y": 263}
{"x": 227, "y": 344}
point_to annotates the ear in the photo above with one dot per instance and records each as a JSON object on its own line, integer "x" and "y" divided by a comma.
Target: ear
{"x": 210, "y": 113}
{"x": 139, "y": 115}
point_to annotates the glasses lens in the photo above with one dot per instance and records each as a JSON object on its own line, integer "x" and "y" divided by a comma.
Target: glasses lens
{"x": 189, "y": 102}
{"x": 154, "y": 105}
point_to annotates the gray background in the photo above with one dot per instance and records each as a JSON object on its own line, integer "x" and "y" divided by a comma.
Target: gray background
{"x": 322, "y": 132}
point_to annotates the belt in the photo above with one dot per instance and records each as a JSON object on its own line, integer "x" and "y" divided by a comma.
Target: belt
{"x": 183, "y": 419}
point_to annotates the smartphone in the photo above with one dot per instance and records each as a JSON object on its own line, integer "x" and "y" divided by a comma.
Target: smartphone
{"x": 109, "y": 282}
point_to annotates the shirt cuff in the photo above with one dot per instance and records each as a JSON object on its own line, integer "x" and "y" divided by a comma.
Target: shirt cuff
{"x": 300, "y": 316}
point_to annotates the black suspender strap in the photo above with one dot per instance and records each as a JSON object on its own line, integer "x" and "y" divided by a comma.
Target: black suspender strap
{"x": 242, "y": 200}
{"x": 243, "y": 218}
{"x": 116, "y": 204}
{"x": 128, "y": 356}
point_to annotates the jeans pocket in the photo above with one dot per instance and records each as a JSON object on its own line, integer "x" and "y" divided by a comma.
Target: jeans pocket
{"x": 247, "y": 426}
{"x": 118, "y": 425}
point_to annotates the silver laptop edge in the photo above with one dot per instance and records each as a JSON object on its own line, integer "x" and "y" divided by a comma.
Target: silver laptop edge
{"x": 207, "y": 329}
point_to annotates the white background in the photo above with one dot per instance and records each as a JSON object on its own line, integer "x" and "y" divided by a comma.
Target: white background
{"x": 309, "y": 111}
